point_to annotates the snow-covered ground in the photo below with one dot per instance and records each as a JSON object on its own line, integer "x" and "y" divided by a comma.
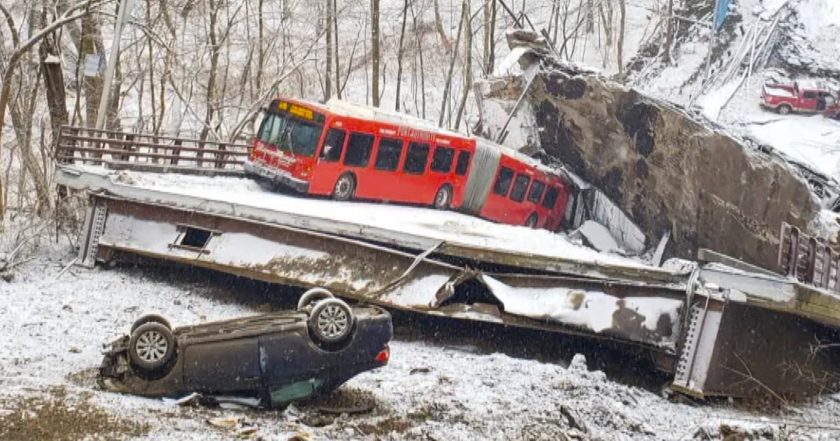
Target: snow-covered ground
{"x": 442, "y": 382}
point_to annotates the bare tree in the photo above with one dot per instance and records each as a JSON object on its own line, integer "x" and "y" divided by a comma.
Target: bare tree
{"x": 330, "y": 50}
{"x": 439, "y": 27}
{"x": 21, "y": 48}
{"x": 468, "y": 80}
{"x": 489, "y": 35}
{"x": 419, "y": 40}
{"x": 49, "y": 55}
{"x": 374, "y": 46}
{"x": 669, "y": 33}
{"x": 448, "y": 86}
{"x": 400, "y": 56}
{"x": 620, "y": 44}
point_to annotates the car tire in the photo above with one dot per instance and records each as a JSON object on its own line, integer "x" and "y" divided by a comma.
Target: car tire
{"x": 443, "y": 198}
{"x": 331, "y": 321}
{"x": 345, "y": 187}
{"x": 313, "y": 295}
{"x": 151, "y": 347}
{"x": 150, "y": 318}
{"x": 784, "y": 109}
{"x": 532, "y": 220}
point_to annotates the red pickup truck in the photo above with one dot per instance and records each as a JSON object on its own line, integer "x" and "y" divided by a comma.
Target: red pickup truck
{"x": 802, "y": 98}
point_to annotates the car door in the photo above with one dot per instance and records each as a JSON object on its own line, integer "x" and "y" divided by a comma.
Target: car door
{"x": 223, "y": 366}
{"x": 808, "y": 103}
{"x": 292, "y": 367}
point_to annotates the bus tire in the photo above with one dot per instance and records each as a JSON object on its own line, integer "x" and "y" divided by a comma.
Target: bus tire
{"x": 784, "y": 109}
{"x": 345, "y": 187}
{"x": 443, "y": 197}
{"x": 532, "y": 220}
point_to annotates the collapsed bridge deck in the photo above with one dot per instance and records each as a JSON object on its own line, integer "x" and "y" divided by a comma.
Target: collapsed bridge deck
{"x": 446, "y": 263}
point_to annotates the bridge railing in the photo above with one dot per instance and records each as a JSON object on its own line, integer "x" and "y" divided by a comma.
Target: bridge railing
{"x": 123, "y": 150}
{"x": 808, "y": 259}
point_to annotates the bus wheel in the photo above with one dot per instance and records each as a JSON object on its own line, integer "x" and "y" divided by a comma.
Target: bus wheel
{"x": 345, "y": 186}
{"x": 531, "y": 222}
{"x": 443, "y": 198}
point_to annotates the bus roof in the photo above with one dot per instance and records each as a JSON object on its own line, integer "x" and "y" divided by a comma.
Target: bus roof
{"x": 351, "y": 110}
{"x": 519, "y": 156}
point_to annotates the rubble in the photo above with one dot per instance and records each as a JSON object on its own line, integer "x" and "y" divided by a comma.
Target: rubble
{"x": 667, "y": 169}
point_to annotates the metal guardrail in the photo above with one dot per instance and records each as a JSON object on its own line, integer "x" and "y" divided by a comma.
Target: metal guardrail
{"x": 808, "y": 259}
{"x": 122, "y": 150}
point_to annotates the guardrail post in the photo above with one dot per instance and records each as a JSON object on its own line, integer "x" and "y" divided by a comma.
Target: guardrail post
{"x": 811, "y": 272}
{"x": 826, "y": 266}
{"x": 793, "y": 260}
{"x": 176, "y": 152}
{"x": 221, "y": 156}
{"x": 199, "y": 154}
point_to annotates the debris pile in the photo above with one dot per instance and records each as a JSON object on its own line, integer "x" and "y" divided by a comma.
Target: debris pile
{"x": 669, "y": 170}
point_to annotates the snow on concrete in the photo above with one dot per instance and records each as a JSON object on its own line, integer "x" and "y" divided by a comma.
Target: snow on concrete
{"x": 448, "y": 226}
{"x": 810, "y": 140}
{"x": 599, "y": 236}
{"x": 433, "y": 388}
{"x": 590, "y": 310}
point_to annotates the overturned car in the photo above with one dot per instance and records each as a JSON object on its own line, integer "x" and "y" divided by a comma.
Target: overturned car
{"x": 277, "y": 358}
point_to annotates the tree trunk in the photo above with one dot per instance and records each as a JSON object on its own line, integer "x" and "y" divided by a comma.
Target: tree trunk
{"x": 400, "y": 56}
{"x": 49, "y": 55}
{"x": 92, "y": 44}
{"x": 620, "y": 44}
{"x": 489, "y": 36}
{"x": 669, "y": 33}
{"x": 374, "y": 45}
{"x": 214, "y": 63}
{"x": 419, "y": 39}
{"x": 329, "y": 25}
{"x": 467, "y": 65}
{"x": 338, "y": 88}
{"x": 439, "y": 27}
{"x": 260, "y": 48}
{"x": 447, "y": 88}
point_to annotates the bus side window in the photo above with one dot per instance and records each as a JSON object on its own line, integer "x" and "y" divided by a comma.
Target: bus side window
{"x": 358, "y": 150}
{"x": 537, "y": 189}
{"x": 520, "y": 185}
{"x": 333, "y": 145}
{"x": 550, "y": 198}
{"x": 388, "y": 155}
{"x": 442, "y": 159}
{"x": 503, "y": 181}
{"x": 415, "y": 160}
{"x": 463, "y": 163}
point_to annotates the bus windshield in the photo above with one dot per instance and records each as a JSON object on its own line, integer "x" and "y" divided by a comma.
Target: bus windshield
{"x": 290, "y": 134}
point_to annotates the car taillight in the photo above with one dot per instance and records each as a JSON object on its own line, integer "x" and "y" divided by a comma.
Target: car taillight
{"x": 384, "y": 355}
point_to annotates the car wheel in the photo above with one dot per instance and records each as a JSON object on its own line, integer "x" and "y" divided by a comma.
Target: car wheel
{"x": 531, "y": 222}
{"x": 313, "y": 295}
{"x": 150, "y": 318}
{"x": 151, "y": 347}
{"x": 784, "y": 109}
{"x": 443, "y": 197}
{"x": 331, "y": 321}
{"x": 345, "y": 188}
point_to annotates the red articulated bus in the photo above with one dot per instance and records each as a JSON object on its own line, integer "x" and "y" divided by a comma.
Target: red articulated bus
{"x": 354, "y": 152}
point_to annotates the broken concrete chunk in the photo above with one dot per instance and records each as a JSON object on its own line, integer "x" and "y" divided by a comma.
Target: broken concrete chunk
{"x": 666, "y": 169}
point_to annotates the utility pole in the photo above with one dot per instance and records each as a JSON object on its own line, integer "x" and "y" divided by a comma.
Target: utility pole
{"x": 122, "y": 14}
